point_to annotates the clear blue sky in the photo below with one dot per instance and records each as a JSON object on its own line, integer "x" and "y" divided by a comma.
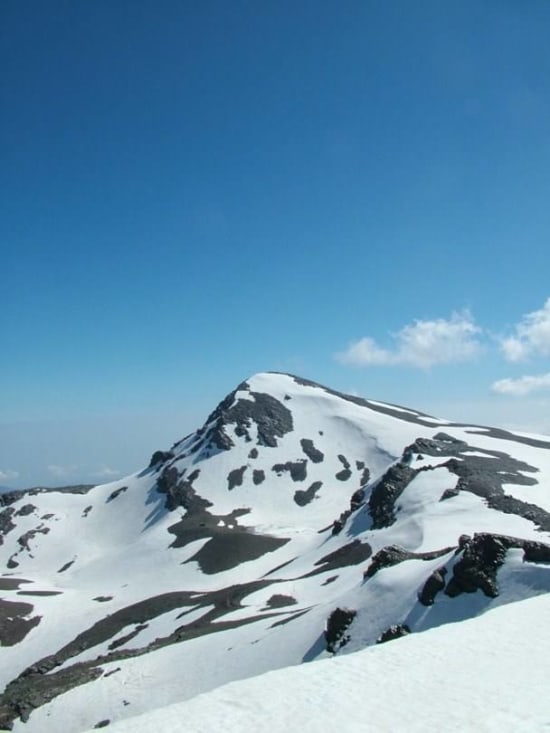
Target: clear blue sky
{"x": 193, "y": 192}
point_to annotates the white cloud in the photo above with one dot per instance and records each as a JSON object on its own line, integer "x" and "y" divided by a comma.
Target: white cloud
{"x": 422, "y": 344}
{"x": 8, "y": 475}
{"x": 531, "y": 337}
{"x": 523, "y": 385}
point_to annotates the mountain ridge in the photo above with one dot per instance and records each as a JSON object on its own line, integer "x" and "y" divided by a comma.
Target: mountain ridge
{"x": 239, "y": 543}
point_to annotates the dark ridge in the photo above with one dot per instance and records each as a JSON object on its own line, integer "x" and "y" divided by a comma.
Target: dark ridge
{"x": 329, "y": 580}
{"x": 39, "y": 593}
{"x": 102, "y": 723}
{"x": 313, "y": 453}
{"x": 434, "y": 584}
{"x": 338, "y": 623}
{"x": 235, "y": 477}
{"x": 354, "y": 553}
{"x": 40, "y": 683}
{"x": 419, "y": 418}
{"x": 394, "y": 632}
{"x": 258, "y": 476}
{"x": 14, "y": 625}
{"x": 302, "y": 498}
{"x": 127, "y": 637}
{"x": 449, "y": 494}
{"x": 510, "y": 505}
{"x": 297, "y": 469}
{"x": 86, "y": 511}
{"x": 394, "y": 554}
{"x": 482, "y": 556}
{"x": 116, "y": 493}
{"x": 10, "y": 497}
{"x": 386, "y": 492}
{"x": 160, "y": 456}
{"x": 279, "y": 600}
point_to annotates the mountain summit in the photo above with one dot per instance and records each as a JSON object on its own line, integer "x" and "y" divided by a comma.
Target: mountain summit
{"x": 295, "y": 524}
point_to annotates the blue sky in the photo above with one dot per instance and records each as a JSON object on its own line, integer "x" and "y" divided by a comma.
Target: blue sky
{"x": 192, "y": 192}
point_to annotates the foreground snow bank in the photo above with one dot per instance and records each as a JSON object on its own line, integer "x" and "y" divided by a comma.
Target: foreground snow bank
{"x": 484, "y": 674}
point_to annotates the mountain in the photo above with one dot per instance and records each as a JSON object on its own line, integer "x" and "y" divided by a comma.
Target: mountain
{"x": 298, "y": 523}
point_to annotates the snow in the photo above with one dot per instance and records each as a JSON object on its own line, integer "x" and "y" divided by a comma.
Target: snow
{"x": 486, "y": 674}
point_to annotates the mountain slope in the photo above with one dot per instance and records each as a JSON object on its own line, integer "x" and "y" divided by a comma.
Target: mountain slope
{"x": 293, "y": 508}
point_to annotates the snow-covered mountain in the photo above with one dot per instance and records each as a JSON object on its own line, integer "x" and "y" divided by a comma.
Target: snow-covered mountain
{"x": 296, "y": 524}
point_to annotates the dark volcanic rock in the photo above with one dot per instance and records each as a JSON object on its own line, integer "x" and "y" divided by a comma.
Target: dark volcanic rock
{"x": 235, "y": 477}
{"x": 253, "y": 453}
{"x": 297, "y": 469}
{"x": 394, "y": 632}
{"x": 258, "y": 476}
{"x": 160, "y": 456}
{"x": 337, "y": 625}
{"x": 25, "y": 510}
{"x": 386, "y": 492}
{"x": 273, "y": 420}
{"x": 116, "y": 493}
{"x": 279, "y": 600}
{"x": 477, "y": 569}
{"x": 179, "y": 490}
{"x": 449, "y": 493}
{"x": 394, "y": 554}
{"x": 314, "y": 455}
{"x": 434, "y": 584}
{"x": 6, "y": 525}
{"x": 345, "y": 473}
{"x": 302, "y": 498}
{"x": 14, "y": 625}
{"x": 25, "y": 538}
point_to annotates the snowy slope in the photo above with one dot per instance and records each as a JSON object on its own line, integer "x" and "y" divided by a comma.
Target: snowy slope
{"x": 231, "y": 553}
{"x": 486, "y": 674}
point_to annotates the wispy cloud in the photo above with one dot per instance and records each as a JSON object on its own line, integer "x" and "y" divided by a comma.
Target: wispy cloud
{"x": 8, "y": 475}
{"x": 62, "y": 471}
{"x": 421, "y": 344}
{"x": 531, "y": 336}
{"x": 106, "y": 472}
{"x": 523, "y": 385}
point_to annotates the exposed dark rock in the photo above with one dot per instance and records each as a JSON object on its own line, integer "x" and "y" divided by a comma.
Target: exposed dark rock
{"x": 536, "y": 552}
{"x": 345, "y": 473}
{"x": 180, "y": 492}
{"x": 279, "y": 600}
{"x": 235, "y": 477}
{"x": 314, "y": 455}
{"x": 6, "y": 525}
{"x": 25, "y": 510}
{"x": 47, "y": 517}
{"x": 449, "y": 493}
{"x": 66, "y": 566}
{"x": 14, "y": 624}
{"x": 10, "y": 497}
{"x": 122, "y": 640}
{"x": 25, "y": 538}
{"x": 510, "y": 505}
{"x": 386, "y": 492}
{"x": 434, "y": 584}
{"x": 330, "y": 580}
{"x": 394, "y": 554}
{"x": 477, "y": 569}
{"x": 273, "y": 420}
{"x": 357, "y": 499}
{"x": 302, "y": 498}
{"x": 102, "y": 599}
{"x": 102, "y": 724}
{"x": 258, "y": 476}
{"x": 160, "y": 456}
{"x": 297, "y": 469}
{"x": 86, "y": 511}
{"x": 12, "y": 583}
{"x": 394, "y": 632}
{"x": 253, "y": 453}
{"x": 116, "y": 493}
{"x": 338, "y": 623}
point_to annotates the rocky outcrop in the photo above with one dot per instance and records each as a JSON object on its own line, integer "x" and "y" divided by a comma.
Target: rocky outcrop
{"x": 338, "y": 623}
{"x": 394, "y": 554}
{"x": 386, "y": 492}
{"x": 395, "y": 631}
